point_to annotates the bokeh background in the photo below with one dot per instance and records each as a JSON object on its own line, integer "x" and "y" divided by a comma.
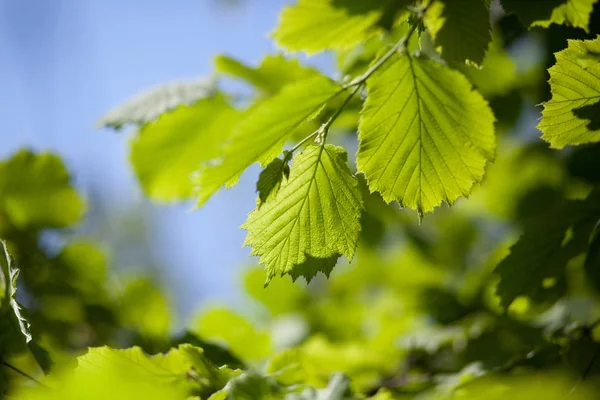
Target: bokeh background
{"x": 65, "y": 63}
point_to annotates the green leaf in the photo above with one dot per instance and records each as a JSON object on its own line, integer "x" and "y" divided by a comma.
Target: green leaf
{"x": 315, "y": 214}
{"x": 239, "y": 335}
{"x": 425, "y": 135}
{"x": 263, "y": 131}
{"x": 575, "y": 84}
{"x": 132, "y": 374}
{"x": 148, "y": 105}
{"x": 269, "y": 180}
{"x": 317, "y": 25}
{"x": 461, "y": 29}
{"x": 35, "y": 192}
{"x": 543, "y": 13}
{"x": 280, "y": 297}
{"x": 273, "y": 73}
{"x": 536, "y": 264}
{"x": 338, "y": 388}
{"x": 145, "y": 309}
{"x": 183, "y": 367}
{"x": 167, "y": 151}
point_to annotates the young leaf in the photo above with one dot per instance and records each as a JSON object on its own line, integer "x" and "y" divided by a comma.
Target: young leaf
{"x": 543, "y": 13}
{"x": 35, "y": 192}
{"x": 425, "y": 134}
{"x": 269, "y": 180}
{"x": 317, "y": 25}
{"x": 167, "y": 151}
{"x": 148, "y": 105}
{"x": 461, "y": 29}
{"x": 575, "y": 85}
{"x": 273, "y": 73}
{"x": 315, "y": 215}
{"x": 260, "y": 136}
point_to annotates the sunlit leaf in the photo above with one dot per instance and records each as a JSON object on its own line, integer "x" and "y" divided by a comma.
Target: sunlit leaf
{"x": 575, "y": 84}
{"x": 425, "y": 135}
{"x": 315, "y": 214}
{"x": 167, "y": 151}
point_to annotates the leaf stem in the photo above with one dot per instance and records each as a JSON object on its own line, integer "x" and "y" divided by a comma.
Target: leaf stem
{"x": 359, "y": 80}
{"x": 22, "y": 373}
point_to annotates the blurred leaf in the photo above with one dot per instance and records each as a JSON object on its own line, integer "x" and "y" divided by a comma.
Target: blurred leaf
{"x": 145, "y": 309}
{"x": 215, "y": 353}
{"x": 243, "y": 339}
{"x": 278, "y": 230}
{"x": 461, "y": 29}
{"x": 308, "y": 24}
{"x": 149, "y": 104}
{"x": 280, "y": 297}
{"x": 584, "y": 163}
{"x": 543, "y": 251}
{"x": 35, "y": 192}
{"x": 167, "y": 151}
{"x": 575, "y": 84}
{"x": 543, "y": 13}
{"x": 273, "y": 73}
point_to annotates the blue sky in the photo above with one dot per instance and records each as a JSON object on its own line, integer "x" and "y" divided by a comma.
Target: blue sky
{"x": 66, "y": 62}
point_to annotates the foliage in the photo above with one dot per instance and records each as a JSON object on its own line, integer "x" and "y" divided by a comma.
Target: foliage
{"x": 494, "y": 296}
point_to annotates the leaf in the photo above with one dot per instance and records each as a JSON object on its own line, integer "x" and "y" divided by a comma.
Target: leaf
{"x": 425, "y": 135}
{"x": 575, "y": 83}
{"x": 273, "y": 73}
{"x": 167, "y": 151}
{"x": 35, "y": 192}
{"x": 316, "y": 214}
{"x": 263, "y": 131}
{"x": 148, "y": 105}
{"x": 184, "y": 367}
{"x": 269, "y": 180}
{"x": 239, "y": 335}
{"x": 9, "y": 299}
{"x": 543, "y": 13}
{"x": 536, "y": 264}
{"x": 143, "y": 308}
{"x": 280, "y": 297}
{"x": 461, "y": 29}
{"x": 338, "y": 388}
{"x": 317, "y": 25}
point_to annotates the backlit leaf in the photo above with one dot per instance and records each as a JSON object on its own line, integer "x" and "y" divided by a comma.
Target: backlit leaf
{"x": 575, "y": 84}
{"x": 167, "y": 151}
{"x": 425, "y": 135}
{"x": 315, "y": 214}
